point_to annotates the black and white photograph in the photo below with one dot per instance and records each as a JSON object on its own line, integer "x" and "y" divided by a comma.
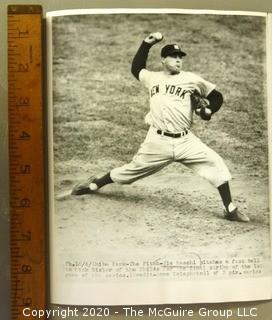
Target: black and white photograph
{"x": 159, "y": 176}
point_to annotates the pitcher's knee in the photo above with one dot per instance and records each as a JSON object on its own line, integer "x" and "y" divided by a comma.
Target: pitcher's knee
{"x": 124, "y": 175}
{"x": 217, "y": 178}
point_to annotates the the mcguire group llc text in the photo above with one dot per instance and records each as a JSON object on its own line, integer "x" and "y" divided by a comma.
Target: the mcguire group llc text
{"x": 131, "y": 312}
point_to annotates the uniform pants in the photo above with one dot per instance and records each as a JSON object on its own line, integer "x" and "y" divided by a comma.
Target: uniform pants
{"x": 158, "y": 151}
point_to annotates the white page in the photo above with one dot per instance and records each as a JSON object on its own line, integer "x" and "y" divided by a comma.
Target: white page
{"x": 162, "y": 239}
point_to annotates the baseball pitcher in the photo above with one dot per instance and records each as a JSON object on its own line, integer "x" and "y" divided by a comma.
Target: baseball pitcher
{"x": 175, "y": 96}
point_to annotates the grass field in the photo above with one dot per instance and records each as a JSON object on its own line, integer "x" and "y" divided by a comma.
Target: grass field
{"x": 99, "y": 111}
{"x": 97, "y": 100}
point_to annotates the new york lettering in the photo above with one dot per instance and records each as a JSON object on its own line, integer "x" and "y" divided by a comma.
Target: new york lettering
{"x": 177, "y": 91}
{"x": 170, "y": 89}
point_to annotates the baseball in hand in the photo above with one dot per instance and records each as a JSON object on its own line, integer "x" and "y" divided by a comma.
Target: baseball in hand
{"x": 157, "y": 35}
{"x": 154, "y": 38}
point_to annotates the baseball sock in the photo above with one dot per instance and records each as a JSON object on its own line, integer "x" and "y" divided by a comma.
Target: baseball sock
{"x": 101, "y": 182}
{"x": 225, "y": 194}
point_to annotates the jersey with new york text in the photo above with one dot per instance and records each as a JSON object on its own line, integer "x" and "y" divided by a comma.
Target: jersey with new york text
{"x": 170, "y": 101}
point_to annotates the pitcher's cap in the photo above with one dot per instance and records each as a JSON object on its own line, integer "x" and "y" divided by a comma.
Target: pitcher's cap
{"x": 171, "y": 49}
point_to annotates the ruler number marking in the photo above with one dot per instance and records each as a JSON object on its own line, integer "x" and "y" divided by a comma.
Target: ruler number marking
{"x": 25, "y": 169}
{"x": 26, "y": 236}
{"x": 24, "y": 136}
{"x": 24, "y": 203}
{"x": 26, "y": 269}
{"x": 27, "y": 302}
{"x": 23, "y": 34}
{"x": 23, "y": 67}
{"x": 23, "y": 102}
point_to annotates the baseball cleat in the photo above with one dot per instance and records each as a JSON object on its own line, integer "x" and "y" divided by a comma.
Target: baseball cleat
{"x": 236, "y": 215}
{"x": 83, "y": 187}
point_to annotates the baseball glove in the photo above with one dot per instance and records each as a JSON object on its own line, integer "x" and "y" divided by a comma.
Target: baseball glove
{"x": 200, "y": 106}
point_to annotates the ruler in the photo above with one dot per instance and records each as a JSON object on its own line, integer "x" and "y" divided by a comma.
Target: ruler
{"x": 26, "y": 160}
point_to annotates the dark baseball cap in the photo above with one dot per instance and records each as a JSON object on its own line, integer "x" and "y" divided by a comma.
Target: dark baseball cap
{"x": 171, "y": 49}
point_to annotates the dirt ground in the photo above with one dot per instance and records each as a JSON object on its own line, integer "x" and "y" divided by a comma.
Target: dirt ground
{"x": 170, "y": 210}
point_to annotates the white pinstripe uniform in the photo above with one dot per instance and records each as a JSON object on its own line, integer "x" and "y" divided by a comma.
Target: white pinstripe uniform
{"x": 171, "y": 112}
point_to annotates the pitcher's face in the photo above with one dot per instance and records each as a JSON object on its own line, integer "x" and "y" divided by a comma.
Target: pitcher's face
{"x": 172, "y": 64}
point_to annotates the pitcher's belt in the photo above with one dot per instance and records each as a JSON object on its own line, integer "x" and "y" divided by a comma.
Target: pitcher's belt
{"x": 173, "y": 135}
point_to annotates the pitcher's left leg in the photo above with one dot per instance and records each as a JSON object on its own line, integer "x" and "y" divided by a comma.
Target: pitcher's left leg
{"x": 210, "y": 165}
